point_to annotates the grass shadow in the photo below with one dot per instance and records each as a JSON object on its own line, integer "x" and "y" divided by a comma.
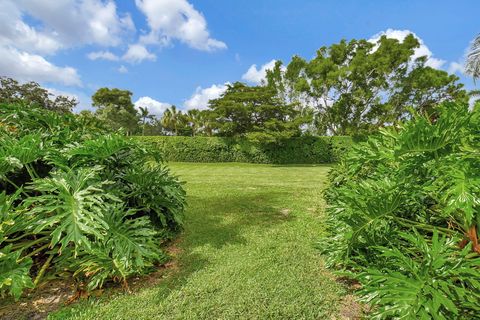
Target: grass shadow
{"x": 228, "y": 216}
{"x": 301, "y": 165}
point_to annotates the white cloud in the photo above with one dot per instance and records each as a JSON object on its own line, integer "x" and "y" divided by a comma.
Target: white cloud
{"x": 177, "y": 19}
{"x": 456, "y": 67}
{"x": 137, "y": 53}
{"x": 76, "y": 22}
{"x": 255, "y": 75}
{"x": 24, "y": 66}
{"x": 56, "y": 25}
{"x": 155, "y": 107}
{"x": 31, "y": 30}
{"x": 15, "y": 32}
{"x": 103, "y": 55}
{"x": 122, "y": 69}
{"x": 423, "y": 50}
{"x": 199, "y": 100}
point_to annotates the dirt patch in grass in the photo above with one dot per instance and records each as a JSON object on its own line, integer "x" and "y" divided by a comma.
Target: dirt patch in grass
{"x": 37, "y": 304}
{"x": 285, "y": 212}
{"x": 351, "y": 308}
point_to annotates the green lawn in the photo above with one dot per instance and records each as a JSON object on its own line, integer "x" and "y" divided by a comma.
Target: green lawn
{"x": 247, "y": 251}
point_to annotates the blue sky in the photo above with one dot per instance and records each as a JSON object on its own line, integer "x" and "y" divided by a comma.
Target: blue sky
{"x": 183, "y": 52}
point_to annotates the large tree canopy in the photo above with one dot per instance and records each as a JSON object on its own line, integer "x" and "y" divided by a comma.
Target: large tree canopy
{"x": 115, "y": 107}
{"x": 31, "y": 93}
{"x": 255, "y": 112}
{"x": 361, "y": 85}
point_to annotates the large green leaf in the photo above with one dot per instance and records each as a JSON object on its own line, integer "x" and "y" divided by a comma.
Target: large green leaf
{"x": 72, "y": 205}
{"x": 16, "y": 153}
{"x": 462, "y": 193}
{"x": 423, "y": 135}
{"x": 14, "y": 272}
{"x": 130, "y": 237}
{"x": 130, "y": 245}
{"x": 418, "y": 284}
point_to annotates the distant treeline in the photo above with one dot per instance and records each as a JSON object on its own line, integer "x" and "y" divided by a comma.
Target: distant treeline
{"x": 349, "y": 88}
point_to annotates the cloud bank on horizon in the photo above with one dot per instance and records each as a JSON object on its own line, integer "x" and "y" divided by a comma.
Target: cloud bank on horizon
{"x": 34, "y": 33}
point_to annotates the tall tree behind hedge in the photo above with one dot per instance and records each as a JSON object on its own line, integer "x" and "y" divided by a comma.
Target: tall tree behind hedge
{"x": 115, "y": 107}
{"x": 255, "y": 112}
{"x": 473, "y": 59}
{"x": 31, "y": 93}
{"x": 173, "y": 121}
{"x": 360, "y": 85}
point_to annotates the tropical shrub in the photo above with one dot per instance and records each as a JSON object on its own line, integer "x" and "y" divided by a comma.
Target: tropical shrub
{"x": 404, "y": 216}
{"x": 216, "y": 149}
{"x": 79, "y": 201}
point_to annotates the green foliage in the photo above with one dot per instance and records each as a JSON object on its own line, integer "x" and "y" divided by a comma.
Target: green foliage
{"x": 70, "y": 204}
{"x": 359, "y": 86}
{"x": 128, "y": 247}
{"x": 115, "y": 107}
{"x": 79, "y": 201}
{"x": 241, "y": 111}
{"x": 430, "y": 281}
{"x": 31, "y": 93}
{"x": 256, "y": 113}
{"x": 215, "y": 149}
{"x": 14, "y": 272}
{"x": 421, "y": 175}
{"x": 246, "y": 252}
{"x": 173, "y": 120}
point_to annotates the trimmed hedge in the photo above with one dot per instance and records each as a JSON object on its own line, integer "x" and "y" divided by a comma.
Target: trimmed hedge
{"x": 301, "y": 150}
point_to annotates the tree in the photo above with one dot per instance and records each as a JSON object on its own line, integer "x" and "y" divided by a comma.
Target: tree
{"x": 255, "y": 112}
{"x": 31, "y": 93}
{"x": 359, "y": 86}
{"x": 154, "y": 127}
{"x": 173, "y": 120}
{"x": 193, "y": 120}
{"x": 206, "y": 122}
{"x": 115, "y": 107}
{"x": 472, "y": 66}
{"x": 144, "y": 115}
{"x": 423, "y": 88}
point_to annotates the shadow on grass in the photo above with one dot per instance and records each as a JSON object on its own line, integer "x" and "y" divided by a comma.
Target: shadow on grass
{"x": 215, "y": 218}
{"x": 218, "y": 221}
{"x": 304, "y": 165}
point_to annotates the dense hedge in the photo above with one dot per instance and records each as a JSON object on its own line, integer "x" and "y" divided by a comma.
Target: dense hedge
{"x": 218, "y": 149}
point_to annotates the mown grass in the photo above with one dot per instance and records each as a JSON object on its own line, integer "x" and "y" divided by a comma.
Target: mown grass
{"x": 247, "y": 251}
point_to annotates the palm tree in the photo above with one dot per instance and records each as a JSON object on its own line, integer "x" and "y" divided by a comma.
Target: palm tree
{"x": 472, "y": 66}
{"x": 144, "y": 115}
{"x": 206, "y": 122}
{"x": 171, "y": 119}
{"x": 193, "y": 119}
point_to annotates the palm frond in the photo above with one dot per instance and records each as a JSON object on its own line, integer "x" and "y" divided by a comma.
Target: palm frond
{"x": 472, "y": 66}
